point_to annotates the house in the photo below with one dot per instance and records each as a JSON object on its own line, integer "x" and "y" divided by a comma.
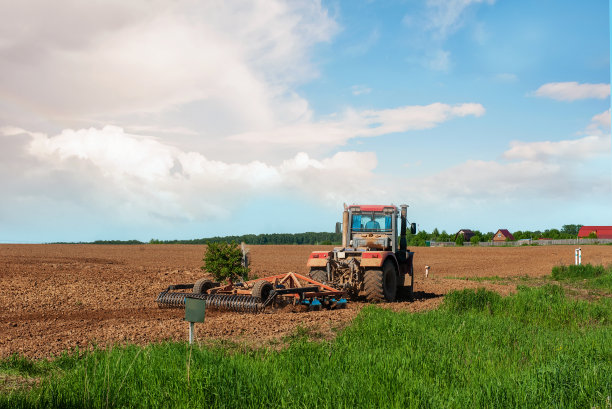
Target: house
{"x": 602, "y": 232}
{"x": 466, "y": 233}
{"x": 503, "y": 235}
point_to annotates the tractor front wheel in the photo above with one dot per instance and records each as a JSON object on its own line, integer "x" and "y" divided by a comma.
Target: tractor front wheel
{"x": 381, "y": 284}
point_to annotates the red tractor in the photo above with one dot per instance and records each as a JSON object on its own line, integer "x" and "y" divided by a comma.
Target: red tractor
{"x": 369, "y": 263}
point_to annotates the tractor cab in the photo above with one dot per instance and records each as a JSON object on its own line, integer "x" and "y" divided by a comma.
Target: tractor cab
{"x": 372, "y": 228}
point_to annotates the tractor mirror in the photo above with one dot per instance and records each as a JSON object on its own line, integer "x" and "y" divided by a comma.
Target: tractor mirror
{"x": 412, "y": 228}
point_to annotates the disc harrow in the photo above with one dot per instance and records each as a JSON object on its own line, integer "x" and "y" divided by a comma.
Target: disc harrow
{"x": 280, "y": 290}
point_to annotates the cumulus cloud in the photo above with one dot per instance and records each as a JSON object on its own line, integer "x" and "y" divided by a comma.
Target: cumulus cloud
{"x": 543, "y": 169}
{"x": 155, "y": 178}
{"x": 572, "y": 91}
{"x": 116, "y": 58}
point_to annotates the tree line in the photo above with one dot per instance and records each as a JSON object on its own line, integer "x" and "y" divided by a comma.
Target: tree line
{"x": 568, "y": 231}
{"x": 269, "y": 238}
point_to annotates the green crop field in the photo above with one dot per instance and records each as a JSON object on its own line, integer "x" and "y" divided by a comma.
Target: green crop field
{"x": 536, "y": 348}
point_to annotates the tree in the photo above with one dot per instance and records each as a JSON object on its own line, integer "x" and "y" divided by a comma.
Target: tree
{"x": 571, "y": 229}
{"x": 459, "y": 240}
{"x": 224, "y": 261}
{"x": 475, "y": 239}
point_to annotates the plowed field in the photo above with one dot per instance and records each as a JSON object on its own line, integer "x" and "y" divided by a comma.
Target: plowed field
{"x": 56, "y": 297}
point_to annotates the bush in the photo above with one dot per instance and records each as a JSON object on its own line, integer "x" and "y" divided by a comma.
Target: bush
{"x": 459, "y": 240}
{"x": 224, "y": 261}
{"x": 475, "y": 240}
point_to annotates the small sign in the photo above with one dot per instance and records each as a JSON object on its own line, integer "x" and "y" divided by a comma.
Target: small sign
{"x": 195, "y": 309}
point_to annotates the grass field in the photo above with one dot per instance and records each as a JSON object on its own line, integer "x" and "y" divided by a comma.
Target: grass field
{"x": 536, "y": 348}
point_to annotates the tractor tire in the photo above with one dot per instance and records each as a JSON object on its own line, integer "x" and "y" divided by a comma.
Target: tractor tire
{"x": 381, "y": 284}
{"x": 202, "y": 286}
{"x": 262, "y": 289}
{"x": 318, "y": 275}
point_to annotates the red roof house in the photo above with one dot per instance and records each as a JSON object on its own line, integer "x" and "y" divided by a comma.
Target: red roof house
{"x": 503, "y": 235}
{"x": 602, "y": 232}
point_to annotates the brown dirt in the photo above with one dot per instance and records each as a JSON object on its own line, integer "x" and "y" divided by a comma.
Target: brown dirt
{"x": 57, "y": 297}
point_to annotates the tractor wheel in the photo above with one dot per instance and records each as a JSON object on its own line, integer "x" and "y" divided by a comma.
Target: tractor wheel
{"x": 381, "y": 284}
{"x": 318, "y": 275}
{"x": 202, "y": 286}
{"x": 261, "y": 289}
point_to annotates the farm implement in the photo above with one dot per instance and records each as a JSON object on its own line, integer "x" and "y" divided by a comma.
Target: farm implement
{"x": 256, "y": 295}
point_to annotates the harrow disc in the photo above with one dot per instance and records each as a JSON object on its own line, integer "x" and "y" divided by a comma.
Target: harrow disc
{"x": 223, "y": 302}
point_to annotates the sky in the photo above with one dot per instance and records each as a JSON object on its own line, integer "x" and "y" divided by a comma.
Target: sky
{"x": 188, "y": 119}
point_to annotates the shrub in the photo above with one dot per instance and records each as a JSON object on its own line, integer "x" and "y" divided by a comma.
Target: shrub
{"x": 459, "y": 240}
{"x": 224, "y": 261}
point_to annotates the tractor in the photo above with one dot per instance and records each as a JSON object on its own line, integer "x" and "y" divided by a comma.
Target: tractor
{"x": 370, "y": 263}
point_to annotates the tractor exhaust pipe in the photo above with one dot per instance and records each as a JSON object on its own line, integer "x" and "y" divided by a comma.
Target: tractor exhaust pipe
{"x": 403, "y": 244}
{"x": 345, "y": 227}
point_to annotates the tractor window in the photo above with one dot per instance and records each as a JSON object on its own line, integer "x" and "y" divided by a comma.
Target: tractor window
{"x": 371, "y": 222}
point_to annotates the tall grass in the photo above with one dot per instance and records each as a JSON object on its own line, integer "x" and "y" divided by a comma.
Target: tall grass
{"x": 533, "y": 349}
{"x": 596, "y": 276}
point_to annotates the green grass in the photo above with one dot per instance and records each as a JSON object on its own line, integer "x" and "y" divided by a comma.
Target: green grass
{"x": 591, "y": 276}
{"x": 536, "y": 348}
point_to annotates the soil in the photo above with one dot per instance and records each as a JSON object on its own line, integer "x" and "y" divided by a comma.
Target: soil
{"x": 58, "y": 297}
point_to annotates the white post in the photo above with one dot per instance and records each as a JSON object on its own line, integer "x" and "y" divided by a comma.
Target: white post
{"x": 191, "y": 331}
{"x": 579, "y": 256}
{"x": 576, "y": 257}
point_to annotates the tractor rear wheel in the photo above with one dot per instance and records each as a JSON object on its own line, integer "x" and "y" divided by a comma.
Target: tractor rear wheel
{"x": 381, "y": 284}
{"x": 262, "y": 289}
{"x": 202, "y": 286}
{"x": 318, "y": 275}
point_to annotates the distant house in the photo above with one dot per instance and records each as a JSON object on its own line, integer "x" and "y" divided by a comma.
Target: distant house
{"x": 503, "y": 235}
{"x": 466, "y": 233}
{"x": 602, "y": 232}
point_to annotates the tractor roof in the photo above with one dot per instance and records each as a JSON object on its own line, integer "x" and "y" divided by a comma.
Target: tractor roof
{"x": 372, "y": 208}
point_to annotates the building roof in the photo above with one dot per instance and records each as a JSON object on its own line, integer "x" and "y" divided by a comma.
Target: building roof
{"x": 505, "y": 233}
{"x": 603, "y": 232}
{"x": 467, "y": 234}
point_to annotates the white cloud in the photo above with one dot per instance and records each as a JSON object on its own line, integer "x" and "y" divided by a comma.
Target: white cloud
{"x": 445, "y": 16}
{"x": 602, "y": 119}
{"x": 367, "y": 123}
{"x": 572, "y": 91}
{"x": 360, "y": 90}
{"x": 572, "y": 149}
{"x": 75, "y": 60}
{"x": 431, "y": 26}
{"x": 145, "y": 176}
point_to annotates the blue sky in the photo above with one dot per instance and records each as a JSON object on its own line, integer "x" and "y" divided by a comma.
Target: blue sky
{"x": 180, "y": 119}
